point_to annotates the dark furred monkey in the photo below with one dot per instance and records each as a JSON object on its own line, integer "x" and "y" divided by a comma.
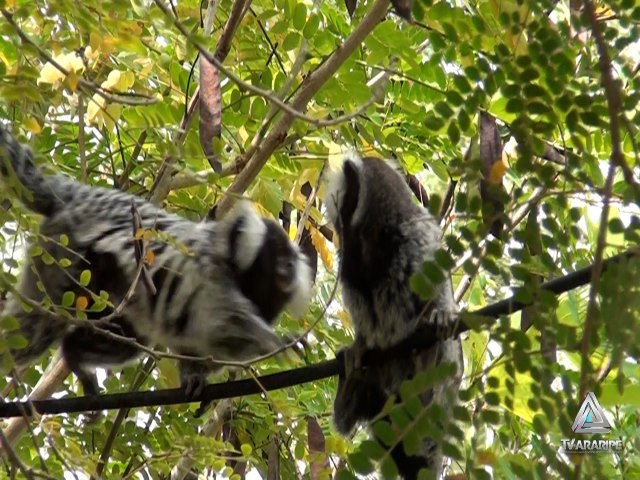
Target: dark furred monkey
{"x": 384, "y": 238}
{"x": 220, "y": 285}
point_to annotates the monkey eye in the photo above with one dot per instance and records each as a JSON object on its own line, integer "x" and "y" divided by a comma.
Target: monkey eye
{"x": 285, "y": 272}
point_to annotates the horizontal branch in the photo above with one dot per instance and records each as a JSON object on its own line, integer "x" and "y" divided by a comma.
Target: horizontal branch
{"x": 422, "y": 339}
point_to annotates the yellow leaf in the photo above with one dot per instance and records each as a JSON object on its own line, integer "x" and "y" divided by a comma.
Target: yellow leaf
{"x": 139, "y": 234}
{"x": 128, "y": 79}
{"x": 95, "y": 114}
{"x": 320, "y": 245}
{"x": 112, "y": 115}
{"x": 4, "y": 59}
{"x": 119, "y": 81}
{"x": 498, "y": 170}
{"x": 50, "y": 75}
{"x": 345, "y": 319}
{"x": 95, "y": 41}
{"x": 72, "y": 79}
{"x": 112, "y": 79}
{"x": 147, "y": 66}
{"x": 132, "y": 27}
{"x": 81, "y": 302}
{"x": 485, "y": 457}
{"x": 149, "y": 257}
{"x": 603, "y": 12}
{"x": 91, "y": 53}
{"x": 108, "y": 45}
{"x": 71, "y": 62}
{"x": 32, "y": 125}
{"x": 243, "y": 134}
{"x": 335, "y": 157}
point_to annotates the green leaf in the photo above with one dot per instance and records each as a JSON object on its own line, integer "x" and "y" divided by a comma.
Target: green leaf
{"x": 68, "y": 298}
{"x": 453, "y": 132}
{"x": 291, "y": 41}
{"x": 433, "y": 122}
{"x": 17, "y": 342}
{"x": 299, "y": 16}
{"x": 384, "y": 432}
{"x": 361, "y": 463}
{"x": 85, "y": 278}
{"x": 311, "y": 26}
{"x": 444, "y": 110}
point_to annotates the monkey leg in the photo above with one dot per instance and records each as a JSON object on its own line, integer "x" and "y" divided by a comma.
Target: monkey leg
{"x": 193, "y": 375}
{"x": 84, "y": 348}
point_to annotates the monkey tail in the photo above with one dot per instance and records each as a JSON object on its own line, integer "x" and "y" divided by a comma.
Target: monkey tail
{"x": 40, "y": 194}
{"x": 359, "y": 398}
{"x": 40, "y": 332}
{"x": 428, "y": 460}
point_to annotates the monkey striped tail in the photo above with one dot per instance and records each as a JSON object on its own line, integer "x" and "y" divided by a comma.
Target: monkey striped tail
{"x": 37, "y": 192}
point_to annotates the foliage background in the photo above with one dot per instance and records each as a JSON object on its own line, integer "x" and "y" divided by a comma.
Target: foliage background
{"x": 558, "y": 80}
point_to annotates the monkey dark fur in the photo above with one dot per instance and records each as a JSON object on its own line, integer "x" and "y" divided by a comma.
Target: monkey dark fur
{"x": 220, "y": 285}
{"x": 385, "y": 237}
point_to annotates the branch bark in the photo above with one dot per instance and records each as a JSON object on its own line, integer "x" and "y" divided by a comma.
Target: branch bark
{"x": 307, "y": 91}
{"x": 423, "y": 339}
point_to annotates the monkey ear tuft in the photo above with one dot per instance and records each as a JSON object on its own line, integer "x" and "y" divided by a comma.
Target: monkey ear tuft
{"x": 343, "y": 189}
{"x": 302, "y": 289}
{"x": 246, "y": 235}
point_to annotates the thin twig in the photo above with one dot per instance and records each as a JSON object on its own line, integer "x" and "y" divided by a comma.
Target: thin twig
{"x": 269, "y": 95}
{"x": 310, "y": 86}
{"x": 307, "y": 209}
{"x": 123, "y": 178}
{"x": 81, "y": 147}
{"x": 613, "y": 105}
{"x": 13, "y": 457}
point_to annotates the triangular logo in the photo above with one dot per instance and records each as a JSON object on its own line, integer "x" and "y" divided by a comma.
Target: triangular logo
{"x": 590, "y": 417}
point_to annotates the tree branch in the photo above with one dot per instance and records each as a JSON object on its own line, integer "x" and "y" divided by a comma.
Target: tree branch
{"x": 161, "y": 184}
{"x": 614, "y": 104}
{"x": 307, "y": 91}
{"x": 422, "y": 339}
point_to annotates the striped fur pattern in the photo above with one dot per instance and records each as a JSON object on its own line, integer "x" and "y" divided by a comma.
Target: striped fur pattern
{"x": 220, "y": 285}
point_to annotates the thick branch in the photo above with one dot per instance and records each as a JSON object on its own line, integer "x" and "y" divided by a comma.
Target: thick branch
{"x": 307, "y": 91}
{"x": 422, "y": 339}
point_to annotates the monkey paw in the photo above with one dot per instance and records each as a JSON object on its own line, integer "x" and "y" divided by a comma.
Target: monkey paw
{"x": 444, "y": 322}
{"x": 193, "y": 384}
{"x": 353, "y": 358}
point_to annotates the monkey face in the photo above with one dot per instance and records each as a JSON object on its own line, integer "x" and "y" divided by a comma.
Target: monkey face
{"x": 285, "y": 272}
{"x": 279, "y": 276}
